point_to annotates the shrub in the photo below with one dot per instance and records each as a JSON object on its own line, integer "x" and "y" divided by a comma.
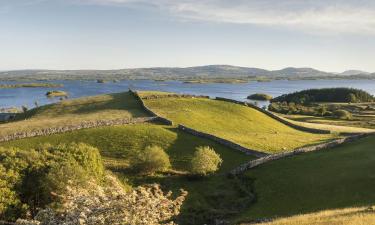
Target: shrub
{"x": 342, "y": 114}
{"x": 28, "y": 177}
{"x": 110, "y": 204}
{"x": 260, "y": 97}
{"x": 205, "y": 161}
{"x": 152, "y": 159}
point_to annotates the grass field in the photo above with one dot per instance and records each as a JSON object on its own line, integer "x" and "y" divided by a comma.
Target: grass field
{"x": 338, "y": 178}
{"x": 240, "y": 124}
{"x": 70, "y": 112}
{"x": 348, "y": 216}
{"x": 215, "y": 196}
{"x": 334, "y": 125}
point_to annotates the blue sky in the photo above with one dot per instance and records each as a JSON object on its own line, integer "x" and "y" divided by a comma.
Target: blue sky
{"x": 333, "y": 35}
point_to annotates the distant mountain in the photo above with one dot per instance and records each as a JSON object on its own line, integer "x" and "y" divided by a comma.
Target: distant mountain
{"x": 354, "y": 72}
{"x": 205, "y": 72}
{"x": 300, "y": 72}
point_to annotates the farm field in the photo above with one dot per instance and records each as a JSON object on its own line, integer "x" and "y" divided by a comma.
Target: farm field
{"x": 334, "y": 125}
{"x": 338, "y": 178}
{"x": 70, "y": 112}
{"x": 240, "y": 124}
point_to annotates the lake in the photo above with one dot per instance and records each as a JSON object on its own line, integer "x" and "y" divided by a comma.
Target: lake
{"x": 28, "y": 96}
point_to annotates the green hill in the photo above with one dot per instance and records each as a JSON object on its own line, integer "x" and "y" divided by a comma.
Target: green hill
{"x": 339, "y": 178}
{"x": 70, "y": 112}
{"x": 240, "y": 124}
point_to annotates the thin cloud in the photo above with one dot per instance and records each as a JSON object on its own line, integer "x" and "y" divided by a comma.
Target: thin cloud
{"x": 346, "y": 16}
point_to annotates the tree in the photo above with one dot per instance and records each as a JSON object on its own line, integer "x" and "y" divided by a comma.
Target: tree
{"x": 152, "y": 159}
{"x": 205, "y": 161}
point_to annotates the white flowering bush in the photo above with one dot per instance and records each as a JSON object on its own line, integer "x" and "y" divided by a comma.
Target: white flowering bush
{"x": 111, "y": 204}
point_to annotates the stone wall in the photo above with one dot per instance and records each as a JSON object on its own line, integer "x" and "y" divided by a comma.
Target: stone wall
{"x": 281, "y": 120}
{"x": 158, "y": 118}
{"x": 222, "y": 141}
{"x": 328, "y": 145}
{"x": 82, "y": 125}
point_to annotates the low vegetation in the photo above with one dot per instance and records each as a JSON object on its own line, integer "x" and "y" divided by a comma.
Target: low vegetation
{"x": 29, "y": 176}
{"x": 70, "y": 183}
{"x": 342, "y": 114}
{"x": 339, "y": 178}
{"x": 260, "y": 97}
{"x": 56, "y": 94}
{"x": 240, "y": 124}
{"x": 326, "y": 95}
{"x": 205, "y": 161}
{"x": 30, "y": 85}
{"x": 153, "y": 159}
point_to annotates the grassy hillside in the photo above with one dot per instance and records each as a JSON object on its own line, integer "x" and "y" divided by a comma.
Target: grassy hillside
{"x": 339, "y": 178}
{"x": 349, "y": 216}
{"x": 119, "y": 143}
{"x": 214, "y": 197}
{"x": 243, "y": 125}
{"x": 67, "y": 112}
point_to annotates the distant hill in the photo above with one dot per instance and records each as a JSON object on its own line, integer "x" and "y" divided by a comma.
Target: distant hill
{"x": 354, "y": 72}
{"x": 205, "y": 72}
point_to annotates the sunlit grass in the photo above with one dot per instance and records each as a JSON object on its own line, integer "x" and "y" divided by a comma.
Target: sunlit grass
{"x": 240, "y": 124}
{"x": 349, "y": 216}
{"x": 337, "y": 178}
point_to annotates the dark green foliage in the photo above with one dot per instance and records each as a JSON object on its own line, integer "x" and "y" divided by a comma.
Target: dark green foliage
{"x": 293, "y": 108}
{"x": 260, "y": 97}
{"x": 326, "y": 95}
{"x": 28, "y": 177}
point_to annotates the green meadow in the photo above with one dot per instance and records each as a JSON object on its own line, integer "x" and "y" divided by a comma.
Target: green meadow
{"x": 240, "y": 124}
{"x": 338, "y": 178}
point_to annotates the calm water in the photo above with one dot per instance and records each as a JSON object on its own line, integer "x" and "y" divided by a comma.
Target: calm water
{"x": 27, "y": 96}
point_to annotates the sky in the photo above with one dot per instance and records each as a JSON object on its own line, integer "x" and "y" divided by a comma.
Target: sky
{"x": 330, "y": 35}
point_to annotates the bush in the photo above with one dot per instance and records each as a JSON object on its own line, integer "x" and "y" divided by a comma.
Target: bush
{"x": 28, "y": 177}
{"x": 205, "y": 161}
{"x": 342, "y": 114}
{"x": 260, "y": 97}
{"x": 152, "y": 159}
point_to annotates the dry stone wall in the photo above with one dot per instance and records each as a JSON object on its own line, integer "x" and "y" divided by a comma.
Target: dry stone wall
{"x": 158, "y": 118}
{"x": 281, "y": 120}
{"x": 82, "y": 125}
{"x": 222, "y": 141}
{"x": 328, "y": 145}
